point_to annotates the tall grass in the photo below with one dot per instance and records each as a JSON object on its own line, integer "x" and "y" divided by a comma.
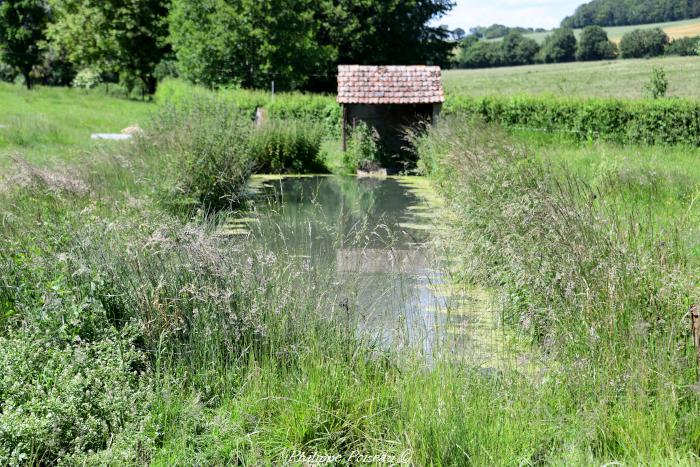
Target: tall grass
{"x": 131, "y": 336}
{"x": 602, "y": 290}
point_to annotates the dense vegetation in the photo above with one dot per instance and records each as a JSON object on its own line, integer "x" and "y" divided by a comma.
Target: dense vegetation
{"x": 295, "y": 43}
{"x": 498, "y": 30}
{"x": 628, "y": 12}
{"x": 134, "y": 333}
{"x": 562, "y": 46}
{"x": 651, "y": 121}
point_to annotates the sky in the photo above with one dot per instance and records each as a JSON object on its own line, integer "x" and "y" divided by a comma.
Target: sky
{"x": 526, "y": 13}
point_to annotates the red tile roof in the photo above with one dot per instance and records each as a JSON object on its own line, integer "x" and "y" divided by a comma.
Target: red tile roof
{"x": 364, "y": 84}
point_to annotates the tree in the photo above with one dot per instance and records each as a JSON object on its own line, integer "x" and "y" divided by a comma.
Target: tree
{"x": 644, "y": 43}
{"x": 482, "y": 54}
{"x": 458, "y": 34}
{"x": 22, "y": 29}
{"x": 684, "y": 47}
{"x": 595, "y": 45}
{"x": 518, "y": 49}
{"x": 248, "y": 42}
{"x": 109, "y": 36}
{"x": 298, "y": 43}
{"x": 560, "y": 46}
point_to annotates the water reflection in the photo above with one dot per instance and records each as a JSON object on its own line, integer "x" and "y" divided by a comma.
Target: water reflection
{"x": 374, "y": 237}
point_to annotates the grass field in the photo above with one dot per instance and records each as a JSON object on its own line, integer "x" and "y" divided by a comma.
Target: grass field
{"x": 618, "y": 78}
{"x": 56, "y": 123}
{"x": 674, "y": 29}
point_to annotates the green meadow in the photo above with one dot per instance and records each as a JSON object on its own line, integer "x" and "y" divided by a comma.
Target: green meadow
{"x": 617, "y": 78}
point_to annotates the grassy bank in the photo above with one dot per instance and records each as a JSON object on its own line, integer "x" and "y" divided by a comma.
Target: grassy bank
{"x": 597, "y": 264}
{"x": 618, "y": 78}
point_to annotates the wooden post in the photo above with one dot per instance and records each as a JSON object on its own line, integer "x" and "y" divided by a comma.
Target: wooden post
{"x": 695, "y": 321}
{"x": 345, "y": 129}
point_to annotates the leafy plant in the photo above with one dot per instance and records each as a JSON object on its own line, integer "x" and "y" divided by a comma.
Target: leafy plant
{"x": 363, "y": 150}
{"x": 658, "y": 84}
{"x": 87, "y": 79}
{"x": 287, "y": 146}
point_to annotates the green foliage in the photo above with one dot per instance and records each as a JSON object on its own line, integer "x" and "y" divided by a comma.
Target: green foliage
{"x": 318, "y": 108}
{"x": 621, "y": 121}
{"x": 594, "y": 45}
{"x": 658, "y": 84}
{"x": 109, "y": 37}
{"x": 627, "y": 12}
{"x": 7, "y": 72}
{"x": 297, "y": 43}
{"x": 58, "y": 401}
{"x": 479, "y": 54}
{"x": 87, "y": 79}
{"x": 203, "y": 145}
{"x": 514, "y": 49}
{"x": 683, "y": 47}
{"x": 642, "y": 43}
{"x": 560, "y": 46}
{"x": 287, "y": 146}
{"x": 22, "y": 28}
{"x": 496, "y": 31}
{"x": 363, "y": 149}
{"x": 518, "y": 49}
{"x": 585, "y": 270}
{"x": 248, "y": 43}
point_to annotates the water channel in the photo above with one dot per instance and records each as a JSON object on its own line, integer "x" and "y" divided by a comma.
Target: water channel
{"x": 380, "y": 239}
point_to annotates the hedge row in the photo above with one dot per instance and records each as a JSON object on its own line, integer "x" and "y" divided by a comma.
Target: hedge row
{"x": 662, "y": 121}
{"x": 318, "y": 108}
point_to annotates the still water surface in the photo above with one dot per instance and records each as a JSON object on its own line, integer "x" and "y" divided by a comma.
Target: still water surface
{"x": 379, "y": 239}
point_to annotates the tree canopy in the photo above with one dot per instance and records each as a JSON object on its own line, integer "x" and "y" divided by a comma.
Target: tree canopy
{"x": 595, "y": 45}
{"x": 298, "y": 43}
{"x": 644, "y": 43}
{"x": 22, "y": 30}
{"x": 630, "y": 12}
{"x": 111, "y": 36}
{"x": 560, "y": 46}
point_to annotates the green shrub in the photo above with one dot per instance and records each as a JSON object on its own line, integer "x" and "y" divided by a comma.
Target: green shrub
{"x": 317, "y": 108}
{"x": 87, "y": 79}
{"x": 363, "y": 150}
{"x": 658, "y": 84}
{"x": 642, "y": 43}
{"x": 287, "y": 146}
{"x": 59, "y": 401}
{"x": 623, "y": 121}
{"x": 684, "y": 47}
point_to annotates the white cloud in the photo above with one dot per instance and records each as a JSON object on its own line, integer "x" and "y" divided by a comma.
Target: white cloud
{"x": 526, "y": 13}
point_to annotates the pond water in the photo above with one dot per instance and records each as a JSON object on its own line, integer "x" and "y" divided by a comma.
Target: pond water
{"x": 378, "y": 241}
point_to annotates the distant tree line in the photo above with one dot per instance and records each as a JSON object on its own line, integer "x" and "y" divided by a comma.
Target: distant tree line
{"x": 562, "y": 46}
{"x": 496, "y": 31}
{"x": 631, "y": 12}
{"x": 250, "y": 43}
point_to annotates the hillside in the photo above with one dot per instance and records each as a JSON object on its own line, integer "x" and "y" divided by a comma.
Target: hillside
{"x": 674, "y": 29}
{"x": 631, "y": 12}
{"x": 619, "y": 78}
